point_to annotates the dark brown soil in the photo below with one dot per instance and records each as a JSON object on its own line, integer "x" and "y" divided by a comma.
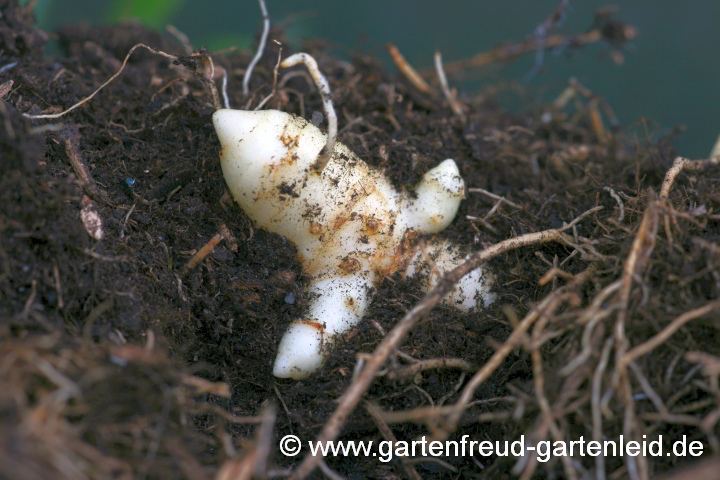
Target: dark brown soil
{"x": 84, "y": 398}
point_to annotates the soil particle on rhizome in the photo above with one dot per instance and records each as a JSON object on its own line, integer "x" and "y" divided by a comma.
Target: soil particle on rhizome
{"x": 108, "y": 348}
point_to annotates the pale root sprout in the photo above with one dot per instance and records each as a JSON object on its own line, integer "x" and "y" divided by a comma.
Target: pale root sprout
{"x": 449, "y": 96}
{"x": 324, "y": 88}
{"x": 226, "y": 100}
{"x": 260, "y": 50}
{"x": 616, "y": 197}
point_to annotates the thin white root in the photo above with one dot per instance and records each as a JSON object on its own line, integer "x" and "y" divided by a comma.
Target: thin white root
{"x": 226, "y": 100}
{"x": 7, "y": 67}
{"x": 324, "y": 88}
{"x": 260, "y": 50}
{"x": 117, "y": 74}
{"x": 454, "y": 105}
{"x": 619, "y": 201}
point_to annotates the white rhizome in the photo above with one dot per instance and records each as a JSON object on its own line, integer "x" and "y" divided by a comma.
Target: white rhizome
{"x": 350, "y": 225}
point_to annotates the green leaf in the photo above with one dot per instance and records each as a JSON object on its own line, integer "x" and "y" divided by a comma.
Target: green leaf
{"x": 153, "y": 13}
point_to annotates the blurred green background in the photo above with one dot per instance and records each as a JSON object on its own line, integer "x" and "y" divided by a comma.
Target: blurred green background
{"x": 670, "y": 74}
